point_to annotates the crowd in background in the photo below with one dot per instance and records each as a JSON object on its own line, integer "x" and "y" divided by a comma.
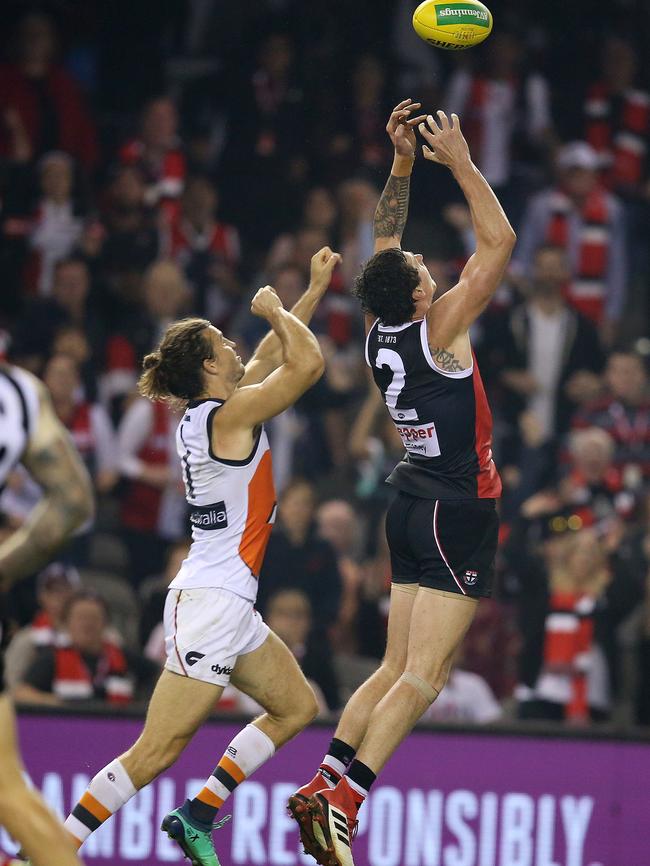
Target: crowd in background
{"x": 174, "y": 165}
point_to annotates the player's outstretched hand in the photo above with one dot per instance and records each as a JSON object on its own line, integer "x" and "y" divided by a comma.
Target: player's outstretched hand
{"x": 265, "y": 302}
{"x": 322, "y": 265}
{"x": 448, "y": 145}
{"x": 401, "y": 127}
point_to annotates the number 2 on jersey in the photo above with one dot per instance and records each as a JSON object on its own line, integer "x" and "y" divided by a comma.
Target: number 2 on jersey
{"x": 389, "y": 358}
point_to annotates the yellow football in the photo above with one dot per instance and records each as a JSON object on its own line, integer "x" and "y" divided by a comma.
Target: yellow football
{"x": 455, "y": 25}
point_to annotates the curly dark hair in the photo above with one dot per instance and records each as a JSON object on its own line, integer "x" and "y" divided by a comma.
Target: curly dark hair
{"x": 385, "y": 287}
{"x": 174, "y": 371}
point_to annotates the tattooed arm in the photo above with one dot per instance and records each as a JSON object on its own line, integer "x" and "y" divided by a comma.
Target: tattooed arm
{"x": 392, "y": 210}
{"x": 67, "y": 500}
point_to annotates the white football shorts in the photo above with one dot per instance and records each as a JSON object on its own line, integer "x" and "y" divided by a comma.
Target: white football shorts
{"x": 206, "y": 630}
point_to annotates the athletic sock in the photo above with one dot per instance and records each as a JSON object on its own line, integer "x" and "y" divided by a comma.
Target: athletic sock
{"x": 247, "y": 752}
{"x": 359, "y": 779}
{"x": 108, "y": 791}
{"x": 335, "y": 763}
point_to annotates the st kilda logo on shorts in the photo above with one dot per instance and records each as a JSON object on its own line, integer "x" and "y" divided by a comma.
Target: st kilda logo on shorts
{"x": 193, "y": 657}
{"x": 470, "y": 577}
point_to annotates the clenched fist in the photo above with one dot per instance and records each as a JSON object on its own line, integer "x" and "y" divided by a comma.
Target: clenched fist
{"x": 322, "y": 265}
{"x": 265, "y": 302}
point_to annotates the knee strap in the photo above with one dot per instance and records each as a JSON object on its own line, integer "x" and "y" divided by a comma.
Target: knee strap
{"x": 422, "y": 686}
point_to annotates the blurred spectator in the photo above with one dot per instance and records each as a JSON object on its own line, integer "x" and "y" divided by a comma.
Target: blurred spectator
{"x": 625, "y": 414}
{"x": 289, "y": 615}
{"x": 594, "y": 488}
{"x": 41, "y": 107}
{"x": 69, "y": 307}
{"x": 266, "y": 143}
{"x": 352, "y": 137}
{"x": 88, "y": 423}
{"x": 297, "y": 559}
{"x": 55, "y": 586}
{"x": 568, "y": 665}
{"x": 617, "y": 119}
{"x": 131, "y": 239}
{"x": 54, "y": 228}
{"x": 153, "y": 508}
{"x": 465, "y": 698}
{"x": 506, "y": 114}
{"x": 207, "y": 250}
{"x": 89, "y": 666}
{"x": 158, "y": 154}
{"x": 339, "y": 524}
{"x": 153, "y": 593}
{"x": 164, "y": 296}
{"x": 548, "y": 353}
{"x": 580, "y": 216}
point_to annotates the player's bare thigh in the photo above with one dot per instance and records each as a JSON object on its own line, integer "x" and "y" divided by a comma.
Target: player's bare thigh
{"x": 178, "y": 707}
{"x": 402, "y": 600}
{"x": 439, "y": 622}
{"x": 271, "y": 676}
{"x": 10, "y": 763}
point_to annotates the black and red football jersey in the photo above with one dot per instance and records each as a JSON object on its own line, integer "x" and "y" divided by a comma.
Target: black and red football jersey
{"x": 443, "y": 418}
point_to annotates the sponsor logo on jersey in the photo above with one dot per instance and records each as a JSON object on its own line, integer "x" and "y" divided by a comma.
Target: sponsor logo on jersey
{"x": 193, "y": 657}
{"x": 232, "y": 751}
{"x": 209, "y": 516}
{"x": 470, "y": 577}
{"x": 420, "y": 439}
{"x": 217, "y": 669}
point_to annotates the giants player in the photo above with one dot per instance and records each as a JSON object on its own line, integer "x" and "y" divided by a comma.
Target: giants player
{"x": 213, "y": 633}
{"x": 442, "y": 525}
{"x": 31, "y": 434}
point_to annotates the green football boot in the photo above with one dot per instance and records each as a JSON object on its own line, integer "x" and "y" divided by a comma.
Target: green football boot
{"x": 193, "y": 838}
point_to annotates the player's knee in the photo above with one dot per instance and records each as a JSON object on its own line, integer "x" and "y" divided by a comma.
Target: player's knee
{"x": 426, "y": 688}
{"x": 392, "y": 670}
{"x": 307, "y": 708}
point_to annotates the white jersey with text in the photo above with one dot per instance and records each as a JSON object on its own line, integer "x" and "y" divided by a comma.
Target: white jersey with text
{"x": 232, "y": 507}
{"x": 18, "y": 416}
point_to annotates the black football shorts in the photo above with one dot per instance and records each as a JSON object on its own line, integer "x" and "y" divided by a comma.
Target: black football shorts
{"x": 447, "y": 544}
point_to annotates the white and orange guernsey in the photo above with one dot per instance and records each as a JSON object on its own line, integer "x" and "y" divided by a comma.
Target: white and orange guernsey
{"x": 232, "y": 507}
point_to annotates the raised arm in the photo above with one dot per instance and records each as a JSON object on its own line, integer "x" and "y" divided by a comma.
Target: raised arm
{"x": 268, "y": 355}
{"x": 67, "y": 500}
{"x": 302, "y": 365}
{"x": 392, "y": 209}
{"x": 451, "y": 316}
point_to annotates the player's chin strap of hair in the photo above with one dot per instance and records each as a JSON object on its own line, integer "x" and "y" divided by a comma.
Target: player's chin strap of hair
{"x": 422, "y": 686}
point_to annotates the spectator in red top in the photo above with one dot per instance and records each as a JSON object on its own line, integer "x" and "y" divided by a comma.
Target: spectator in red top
{"x": 90, "y": 666}
{"x": 88, "y": 423}
{"x": 153, "y": 508}
{"x": 581, "y": 217}
{"x": 158, "y": 154}
{"x": 55, "y": 586}
{"x": 617, "y": 119}
{"x": 594, "y": 487}
{"x": 207, "y": 250}
{"x": 625, "y": 414}
{"x": 40, "y": 104}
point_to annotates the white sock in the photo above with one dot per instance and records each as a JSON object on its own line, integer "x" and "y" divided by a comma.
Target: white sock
{"x": 246, "y": 753}
{"x": 110, "y": 789}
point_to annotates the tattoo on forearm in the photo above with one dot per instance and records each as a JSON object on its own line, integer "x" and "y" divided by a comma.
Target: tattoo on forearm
{"x": 392, "y": 210}
{"x": 447, "y": 361}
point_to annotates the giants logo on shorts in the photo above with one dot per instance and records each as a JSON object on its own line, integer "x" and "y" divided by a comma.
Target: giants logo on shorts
{"x": 470, "y": 577}
{"x": 191, "y": 658}
{"x": 210, "y": 516}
